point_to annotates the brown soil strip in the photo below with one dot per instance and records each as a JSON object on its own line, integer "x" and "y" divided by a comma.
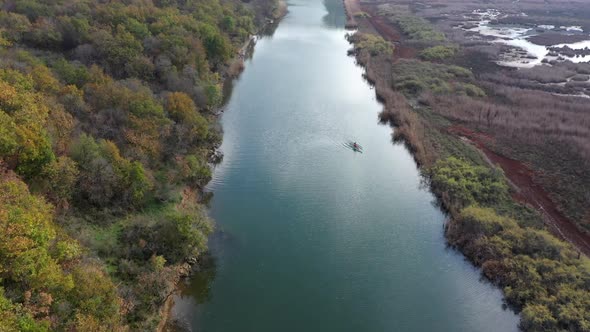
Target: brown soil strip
{"x": 521, "y": 177}
{"x": 388, "y": 32}
{"x": 351, "y": 7}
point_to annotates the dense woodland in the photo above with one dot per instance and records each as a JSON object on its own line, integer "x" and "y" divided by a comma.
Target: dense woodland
{"x": 106, "y": 128}
{"x": 447, "y": 104}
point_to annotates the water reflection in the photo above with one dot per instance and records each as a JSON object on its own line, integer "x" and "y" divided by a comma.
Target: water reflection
{"x": 199, "y": 285}
{"x": 335, "y": 18}
{"x": 248, "y": 54}
{"x": 195, "y": 291}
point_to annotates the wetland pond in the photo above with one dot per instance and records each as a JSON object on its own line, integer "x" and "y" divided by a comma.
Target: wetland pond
{"x": 524, "y": 52}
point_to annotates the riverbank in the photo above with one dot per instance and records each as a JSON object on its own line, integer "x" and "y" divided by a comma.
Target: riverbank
{"x": 236, "y": 65}
{"x": 232, "y": 72}
{"x": 491, "y": 224}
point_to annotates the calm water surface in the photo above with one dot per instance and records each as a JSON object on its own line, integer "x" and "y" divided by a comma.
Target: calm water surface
{"x": 313, "y": 236}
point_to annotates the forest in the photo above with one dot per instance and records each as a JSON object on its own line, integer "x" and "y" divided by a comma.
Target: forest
{"x": 107, "y": 127}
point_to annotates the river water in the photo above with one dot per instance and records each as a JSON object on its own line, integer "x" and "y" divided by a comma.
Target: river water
{"x": 313, "y": 236}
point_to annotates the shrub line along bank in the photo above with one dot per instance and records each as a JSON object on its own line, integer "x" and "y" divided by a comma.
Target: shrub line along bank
{"x": 543, "y": 278}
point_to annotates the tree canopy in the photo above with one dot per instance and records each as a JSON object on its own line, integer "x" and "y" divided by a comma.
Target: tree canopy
{"x": 106, "y": 112}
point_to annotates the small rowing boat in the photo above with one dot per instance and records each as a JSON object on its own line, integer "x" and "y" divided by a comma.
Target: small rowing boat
{"x": 354, "y": 146}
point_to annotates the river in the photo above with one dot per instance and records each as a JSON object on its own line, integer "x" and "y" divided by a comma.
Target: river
{"x": 313, "y": 236}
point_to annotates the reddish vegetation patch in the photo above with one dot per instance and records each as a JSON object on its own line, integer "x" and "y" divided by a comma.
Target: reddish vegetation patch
{"x": 528, "y": 191}
{"x": 380, "y": 24}
{"x": 405, "y": 52}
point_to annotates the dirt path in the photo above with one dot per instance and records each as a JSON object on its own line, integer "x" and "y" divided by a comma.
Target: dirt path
{"x": 527, "y": 191}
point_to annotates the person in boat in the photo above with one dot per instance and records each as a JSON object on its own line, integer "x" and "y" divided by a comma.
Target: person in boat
{"x": 355, "y": 145}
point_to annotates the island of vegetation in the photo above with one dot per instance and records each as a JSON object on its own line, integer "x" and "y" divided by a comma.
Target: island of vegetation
{"x": 503, "y": 138}
{"x": 107, "y": 112}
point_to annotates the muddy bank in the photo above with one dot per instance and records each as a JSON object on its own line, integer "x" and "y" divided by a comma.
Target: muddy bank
{"x": 554, "y": 38}
{"x": 182, "y": 271}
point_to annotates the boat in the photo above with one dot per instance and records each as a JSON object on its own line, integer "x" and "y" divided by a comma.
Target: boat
{"x": 354, "y": 147}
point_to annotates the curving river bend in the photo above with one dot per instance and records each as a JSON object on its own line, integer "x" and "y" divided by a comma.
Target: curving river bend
{"x": 313, "y": 236}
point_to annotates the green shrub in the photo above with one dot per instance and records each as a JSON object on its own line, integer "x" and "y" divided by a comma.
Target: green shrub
{"x": 414, "y": 27}
{"x": 175, "y": 236}
{"x": 373, "y": 44}
{"x": 414, "y": 77}
{"x": 473, "y": 90}
{"x": 438, "y": 53}
{"x": 14, "y": 318}
{"x": 540, "y": 275}
{"x": 71, "y": 73}
{"x": 194, "y": 171}
{"x": 459, "y": 72}
{"x": 537, "y": 317}
{"x": 412, "y": 86}
{"x": 106, "y": 178}
{"x": 23, "y": 135}
{"x": 476, "y": 221}
{"x": 463, "y": 184}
